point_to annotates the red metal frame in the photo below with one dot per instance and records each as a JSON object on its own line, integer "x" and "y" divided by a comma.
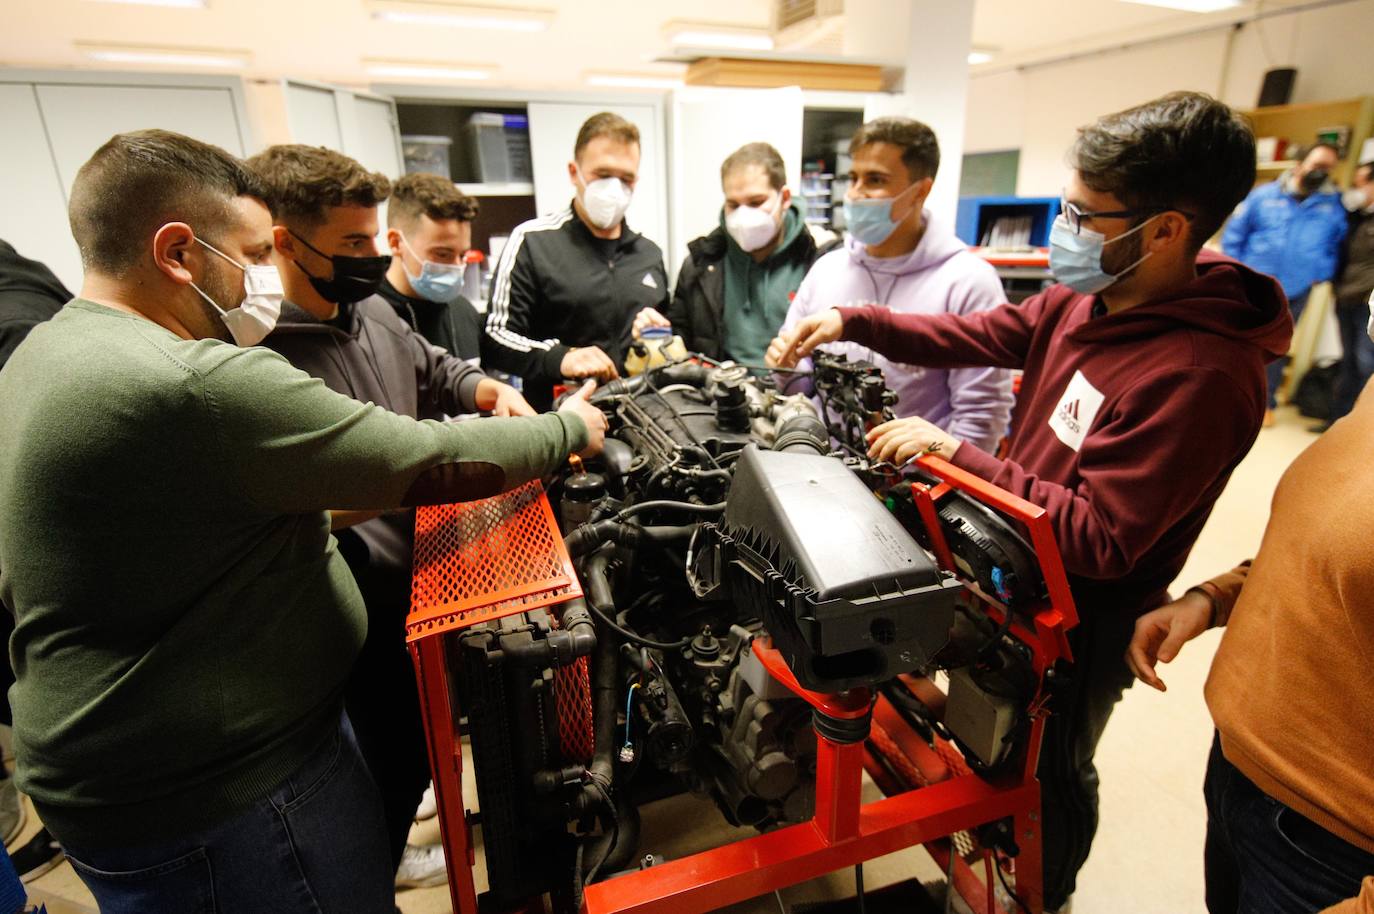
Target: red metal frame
{"x": 932, "y": 796}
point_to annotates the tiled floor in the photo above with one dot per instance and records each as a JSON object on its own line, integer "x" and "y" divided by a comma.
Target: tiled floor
{"x": 1147, "y": 859}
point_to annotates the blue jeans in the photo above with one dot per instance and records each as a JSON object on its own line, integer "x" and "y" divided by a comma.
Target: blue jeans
{"x": 1264, "y": 858}
{"x": 1274, "y": 370}
{"x": 1357, "y": 357}
{"x": 316, "y": 844}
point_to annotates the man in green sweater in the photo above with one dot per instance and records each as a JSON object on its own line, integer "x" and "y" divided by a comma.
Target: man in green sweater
{"x": 185, "y": 624}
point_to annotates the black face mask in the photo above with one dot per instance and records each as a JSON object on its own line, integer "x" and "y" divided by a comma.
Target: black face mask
{"x": 1313, "y": 180}
{"x": 355, "y": 278}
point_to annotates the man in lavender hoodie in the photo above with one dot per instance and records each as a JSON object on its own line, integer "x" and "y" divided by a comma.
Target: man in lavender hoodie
{"x": 899, "y": 256}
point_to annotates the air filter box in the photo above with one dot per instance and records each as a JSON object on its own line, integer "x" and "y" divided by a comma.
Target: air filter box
{"x": 848, "y": 596}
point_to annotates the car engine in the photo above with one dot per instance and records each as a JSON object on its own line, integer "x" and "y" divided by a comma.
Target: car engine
{"x": 723, "y": 508}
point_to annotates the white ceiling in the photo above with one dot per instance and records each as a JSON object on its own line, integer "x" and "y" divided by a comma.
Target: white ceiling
{"x": 328, "y": 40}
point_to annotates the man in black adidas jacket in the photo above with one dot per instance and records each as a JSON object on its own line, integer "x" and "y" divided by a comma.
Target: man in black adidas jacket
{"x": 324, "y": 209}
{"x": 569, "y": 285}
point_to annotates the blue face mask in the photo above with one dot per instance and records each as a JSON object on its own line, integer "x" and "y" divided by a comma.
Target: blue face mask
{"x": 1076, "y": 259}
{"x": 870, "y": 220}
{"x": 438, "y": 282}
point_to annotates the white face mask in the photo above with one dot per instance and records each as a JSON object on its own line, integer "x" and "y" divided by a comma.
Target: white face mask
{"x": 251, "y": 321}
{"x": 1355, "y": 200}
{"x": 753, "y": 227}
{"x": 1370, "y": 328}
{"x": 605, "y": 201}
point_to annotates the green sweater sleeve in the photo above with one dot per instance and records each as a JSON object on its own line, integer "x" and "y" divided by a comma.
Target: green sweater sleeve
{"x": 291, "y": 444}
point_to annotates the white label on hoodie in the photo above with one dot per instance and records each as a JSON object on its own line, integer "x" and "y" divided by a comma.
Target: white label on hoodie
{"x": 1076, "y": 411}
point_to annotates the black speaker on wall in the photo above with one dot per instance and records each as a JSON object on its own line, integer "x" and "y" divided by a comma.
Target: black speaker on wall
{"x": 1278, "y": 86}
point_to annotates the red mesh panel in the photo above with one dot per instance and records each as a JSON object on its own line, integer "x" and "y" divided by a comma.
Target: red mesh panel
{"x": 483, "y": 560}
{"x": 572, "y": 694}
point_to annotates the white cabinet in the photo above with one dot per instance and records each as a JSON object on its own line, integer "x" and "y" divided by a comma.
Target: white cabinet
{"x": 34, "y": 217}
{"x": 55, "y": 121}
{"x": 313, "y": 115}
{"x": 708, "y": 125}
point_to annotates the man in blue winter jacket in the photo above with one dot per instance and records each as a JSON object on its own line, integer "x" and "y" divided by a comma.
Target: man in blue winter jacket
{"x": 1292, "y": 229}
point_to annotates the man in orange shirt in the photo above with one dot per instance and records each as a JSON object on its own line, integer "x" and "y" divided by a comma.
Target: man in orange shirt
{"x": 1290, "y": 783}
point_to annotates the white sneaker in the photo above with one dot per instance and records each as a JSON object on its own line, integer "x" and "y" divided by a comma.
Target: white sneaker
{"x": 429, "y": 807}
{"x": 421, "y": 867}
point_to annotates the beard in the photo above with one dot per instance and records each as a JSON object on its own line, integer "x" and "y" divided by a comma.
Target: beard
{"x": 227, "y": 292}
{"x": 1120, "y": 257}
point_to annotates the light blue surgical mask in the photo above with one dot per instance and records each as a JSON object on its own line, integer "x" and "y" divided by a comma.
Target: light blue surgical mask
{"x": 437, "y": 282}
{"x": 869, "y": 219}
{"x": 1076, "y": 258}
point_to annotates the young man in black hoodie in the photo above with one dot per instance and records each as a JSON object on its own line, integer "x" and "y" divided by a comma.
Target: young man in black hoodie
{"x": 429, "y": 230}
{"x": 1144, "y": 387}
{"x": 736, "y": 285}
{"x": 335, "y": 327}
{"x": 30, "y": 294}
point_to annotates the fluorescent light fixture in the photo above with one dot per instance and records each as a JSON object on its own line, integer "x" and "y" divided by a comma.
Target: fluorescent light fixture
{"x": 977, "y": 57}
{"x": 732, "y": 38}
{"x": 404, "y": 70}
{"x": 169, "y": 57}
{"x": 633, "y": 81}
{"x": 178, "y": 4}
{"x": 1191, "y": 6}
{"x": 461, "y": 16}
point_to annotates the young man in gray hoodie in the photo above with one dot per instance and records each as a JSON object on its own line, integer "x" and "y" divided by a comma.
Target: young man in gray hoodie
{"x": 899, "y": 256}
{"x": 324, "y": 206}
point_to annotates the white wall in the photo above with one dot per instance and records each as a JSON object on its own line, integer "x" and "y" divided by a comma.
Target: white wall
{"x": 1038, "y": 108}
{"x": 996, "y": 112}
{"x": 1059, "y": 99}
{"x": 1333, "y": 49}
{"x": 935, "y": 89}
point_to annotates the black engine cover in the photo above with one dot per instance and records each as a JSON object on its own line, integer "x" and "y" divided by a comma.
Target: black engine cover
{"x": 848, "y": 596}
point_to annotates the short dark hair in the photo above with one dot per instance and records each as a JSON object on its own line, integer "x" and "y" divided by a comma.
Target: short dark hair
{"x": 1184, "y": 151}
{"x": 920, "y": 148}
{"x": 421, "y": 194}
{"x": 761, "y": 154}
{"x": 1367, "y": 167}
{"x": 605, "y": 124}
{"x": 138, "y": 182}
{"x": 301, "y": 182}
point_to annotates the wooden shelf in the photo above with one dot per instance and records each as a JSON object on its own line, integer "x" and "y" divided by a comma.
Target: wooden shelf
{"x": 772, "y": 74}
{"x": 1299, "y": 124}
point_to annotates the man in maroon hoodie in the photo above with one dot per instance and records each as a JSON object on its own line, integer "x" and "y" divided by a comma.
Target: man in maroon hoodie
{"x": 1144, "y": 387}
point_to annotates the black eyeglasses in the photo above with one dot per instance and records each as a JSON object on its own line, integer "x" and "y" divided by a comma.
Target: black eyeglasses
{"x": 1074, "y": 215}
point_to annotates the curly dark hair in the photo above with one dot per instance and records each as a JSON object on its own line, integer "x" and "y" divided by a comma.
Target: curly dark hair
{"x": 301, "y": 182}
{"x": 421, "y": 194}
{"x": 920, "y": 148}
{"x": 137, "y": 182}
{"x": 1184, "y": 151}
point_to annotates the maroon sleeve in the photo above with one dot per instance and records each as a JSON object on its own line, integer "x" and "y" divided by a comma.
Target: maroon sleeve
{"x": 999, "y": 337}
{"x": 1142, "y": 469}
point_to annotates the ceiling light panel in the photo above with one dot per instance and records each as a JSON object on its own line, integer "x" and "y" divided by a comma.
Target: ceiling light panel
{"x": 461, "y": 16}
{"x": 161, "y": 56}
{"x": 176, "y": 4}
{"x": 1190, "y": 6}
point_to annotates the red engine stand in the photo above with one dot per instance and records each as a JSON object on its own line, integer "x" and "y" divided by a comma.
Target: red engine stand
{"x": 931, "y": 792}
